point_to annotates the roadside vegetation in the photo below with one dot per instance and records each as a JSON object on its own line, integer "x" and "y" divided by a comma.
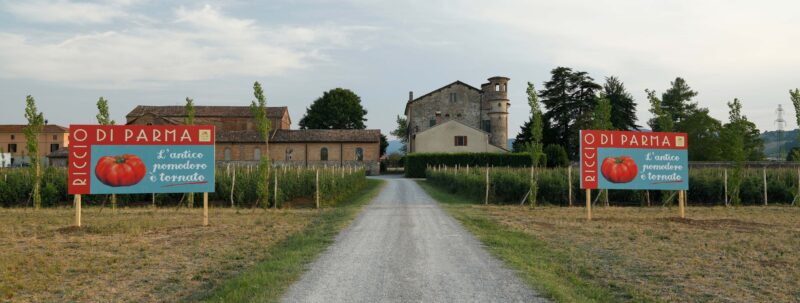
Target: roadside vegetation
{"x": 734, "y": 254}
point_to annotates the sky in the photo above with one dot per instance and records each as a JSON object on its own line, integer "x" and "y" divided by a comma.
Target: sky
{"x": 138, "y": 52}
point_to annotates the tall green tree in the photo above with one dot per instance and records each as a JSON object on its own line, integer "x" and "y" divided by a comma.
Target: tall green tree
{"x": 795, "y": 97}
{"x": 733, "y": 136}
{"x": 623, "y": 107}
{"x": 259, "y": 109}
{"x": 662, "y": 120}
{"x": 677, "y": 101}
{"x": 384, "y": 145}
{"x": 570, "y": 98}
{"x": 752, "y": 148}
{"x": 32, "y": 132}
{"x": 189, "y": 120}
{"x": 401, "y": 132}
{"x": 534, "y": 147}
{"x": 104, "y": 118}
{"x": 703, "y": 133}
{"x": 602, "y": 118}
{"x": 338, "y": 108}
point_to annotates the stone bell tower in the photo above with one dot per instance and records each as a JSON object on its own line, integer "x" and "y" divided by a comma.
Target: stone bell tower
{"x": 496, "y": 103}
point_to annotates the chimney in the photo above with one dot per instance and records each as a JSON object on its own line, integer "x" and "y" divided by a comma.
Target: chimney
{"x": 410, "y": 96}
{"x": 438, "y": 118}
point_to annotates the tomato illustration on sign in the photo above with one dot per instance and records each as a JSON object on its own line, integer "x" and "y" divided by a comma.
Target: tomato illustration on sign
{"x": 620, "y": 169}
{"x": 116, "y": 171}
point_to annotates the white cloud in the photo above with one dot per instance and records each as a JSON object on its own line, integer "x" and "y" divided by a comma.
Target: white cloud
{"x": 63, "y": 11}
{"x": 196, "y": 44}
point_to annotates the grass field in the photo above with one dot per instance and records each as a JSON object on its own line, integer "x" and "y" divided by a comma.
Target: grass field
{"x": 142, "y": 254}
{"x": 745, "y": 254}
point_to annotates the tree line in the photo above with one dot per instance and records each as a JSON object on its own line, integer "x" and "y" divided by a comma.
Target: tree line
{"x": 572, "y": 101}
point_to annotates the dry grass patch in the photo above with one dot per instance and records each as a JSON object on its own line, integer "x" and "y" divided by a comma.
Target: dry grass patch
{"x": 744, "y": 254}
{"x": 132, "y": 254}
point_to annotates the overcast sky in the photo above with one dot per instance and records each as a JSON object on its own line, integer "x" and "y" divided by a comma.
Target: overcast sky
{"x": 68, "y": 53}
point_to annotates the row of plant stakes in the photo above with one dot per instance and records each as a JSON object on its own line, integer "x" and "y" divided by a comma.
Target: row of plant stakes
{"x": 236, "y": 186}
{"x": 706, "y": 186}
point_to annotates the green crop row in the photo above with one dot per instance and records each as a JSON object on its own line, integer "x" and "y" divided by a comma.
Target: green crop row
{"x": 706, "y": 186}
{"x": 293, "y": 184}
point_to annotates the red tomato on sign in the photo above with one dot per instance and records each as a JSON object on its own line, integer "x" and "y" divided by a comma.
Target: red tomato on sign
{"x": 125, "y": 170}
{"x": 619, "y": 169}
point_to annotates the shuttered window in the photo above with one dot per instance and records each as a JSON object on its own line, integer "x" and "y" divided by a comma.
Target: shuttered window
{"x": 460, "y": 141}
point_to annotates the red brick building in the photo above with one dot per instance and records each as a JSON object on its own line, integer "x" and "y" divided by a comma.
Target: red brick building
{"x": 238, "y": 140}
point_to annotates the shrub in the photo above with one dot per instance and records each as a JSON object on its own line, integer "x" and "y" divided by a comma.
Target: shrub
{"x": 556, "y": 156}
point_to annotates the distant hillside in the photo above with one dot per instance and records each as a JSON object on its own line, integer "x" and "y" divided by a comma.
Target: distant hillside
{"x": 771, "y": 146}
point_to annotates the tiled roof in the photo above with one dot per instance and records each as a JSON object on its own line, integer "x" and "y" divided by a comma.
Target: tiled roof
{"x": 204, "y": 111}
{"x": 302, "y": 135}
{"x": 18, "y": 128}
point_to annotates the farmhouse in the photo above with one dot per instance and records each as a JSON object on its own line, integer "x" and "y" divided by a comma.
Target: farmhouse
{"x": 13, "y": 145}
{"x": 460, "y": 118}
{"x": 238, "y": 140}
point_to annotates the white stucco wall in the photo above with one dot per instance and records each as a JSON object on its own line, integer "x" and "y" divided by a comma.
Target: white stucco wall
{"x": 441, "y": 139}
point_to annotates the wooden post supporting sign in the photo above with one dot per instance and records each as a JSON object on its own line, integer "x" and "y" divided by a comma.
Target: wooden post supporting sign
{"x": 205, "y": 209}
{"x": 682, "y": 203}
{"x": 78, "y": 210}
{"x": 588, "y": 204}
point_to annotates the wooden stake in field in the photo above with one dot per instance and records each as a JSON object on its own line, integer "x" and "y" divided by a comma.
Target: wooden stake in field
{"x": 725, "y": 177}
{"x": 569, "y": 184}
{"x": 78, "y": 210}
{"x": 682, "y": 203}
{"x": 317, "y": 187}
{"x": 205, "y": 209}
{"x": 486, "y": 200}
{"x": 233, "y": 185}
{"x": 765, "y": 185}
{"x": 275, "y": 191}
{"x": 588, "y": 204}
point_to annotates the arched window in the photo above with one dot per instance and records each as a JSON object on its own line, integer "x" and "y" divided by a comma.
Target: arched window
{"x": 359, "y": 154}
{"x": 289, "y": 152}
{"x": 227, "y": 154}
{"x": 323, "y": 154}
{"x": 257, "y": 154}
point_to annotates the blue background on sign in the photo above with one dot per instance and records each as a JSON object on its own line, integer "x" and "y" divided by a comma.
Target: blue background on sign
{"x": 149, "y": 154}
{"x": 639, "y": 156}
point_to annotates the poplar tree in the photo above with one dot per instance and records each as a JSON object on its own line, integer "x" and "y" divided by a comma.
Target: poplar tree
{"x": 602, "y": 121}
{"x": 534, "y": 147}
{"x": 103, "y": 118}
{"x": 189, "y": 120}
{"x": 734, "y": 134}
{"x": 32, "y": 132}
{"x": 259, "y": 109}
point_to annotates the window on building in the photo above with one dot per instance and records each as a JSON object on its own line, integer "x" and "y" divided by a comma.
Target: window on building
{"x": 289, "y": 153}
{"x": 12, "y": 148}
{"x": 460, "y": 141}
{"x": 453, "y": 97}
{"x": 487, "y": 126}
{"x": 257, "y": 154}
{"x": 55, "y": 137}
{"x": 359, "y": 154}
{"x": 432, "y": 122}
{"x": 53, "y": 147}
{"x": 447, "y": 115}
{"x": 323, "y": 154}
{"x": 13, "y": 137}
{"x": 226, "y": 155}
{"x": 458, "y": 115}
{"x": 497, "y": 87}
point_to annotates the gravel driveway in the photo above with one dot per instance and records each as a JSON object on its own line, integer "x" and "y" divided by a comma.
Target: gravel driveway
{"x": 404, "y": 248}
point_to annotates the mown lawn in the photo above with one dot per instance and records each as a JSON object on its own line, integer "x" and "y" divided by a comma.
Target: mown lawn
{"x": 717, "y": 254}
{"x": 150, "y": 255}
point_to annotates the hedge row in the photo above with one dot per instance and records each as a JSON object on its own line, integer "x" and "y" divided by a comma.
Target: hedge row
{"x": 293, "y": 184}
{"x": 417, "y": 163}
{"x": 706, "y": 186}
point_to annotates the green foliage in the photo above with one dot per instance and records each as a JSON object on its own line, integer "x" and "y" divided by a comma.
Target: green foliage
{"x": 417, "y": 163}
{"x": 294, "y": 184}
{"x": 794, "y": 155}
{"x": 602, "y": 115}
{"x": 189, "y": 111}
{"x": 338, "y": 108}
{"x": 401, "y": 132}
{"x": 384, "y": 144}
{"x": 663, "y": 119}
{"x": 706, "y": 186}
{"x": 703, "y": 133}
{"x": 570, "y": 98}
{"x": 259, "y": 109}
{"x": 556, "y": 156}
{"x": 677, "y": 100}
{"x": 795, "y": 97}
{"x": 32, "y": 131}
{"x": 103, "y": 117}
{"x": 623, "y": 107}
